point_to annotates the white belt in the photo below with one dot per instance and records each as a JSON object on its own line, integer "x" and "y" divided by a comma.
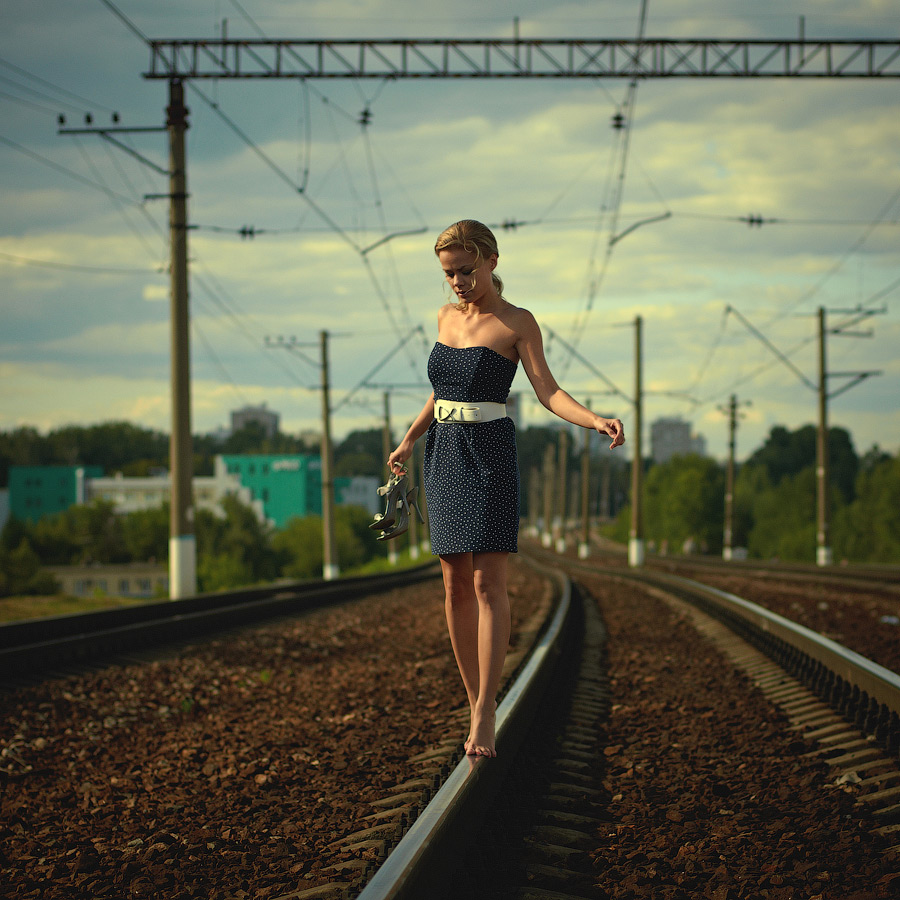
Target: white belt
{"x": 458, "y": 411}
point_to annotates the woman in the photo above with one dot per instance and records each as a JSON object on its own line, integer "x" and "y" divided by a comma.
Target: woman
{"x": 471, "y": 475}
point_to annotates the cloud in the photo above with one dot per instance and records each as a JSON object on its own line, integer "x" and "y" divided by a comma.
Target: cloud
{"x": 85, "y": 344}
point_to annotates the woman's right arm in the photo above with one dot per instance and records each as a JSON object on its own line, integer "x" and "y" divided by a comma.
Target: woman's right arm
{"x": 416, "y": 430}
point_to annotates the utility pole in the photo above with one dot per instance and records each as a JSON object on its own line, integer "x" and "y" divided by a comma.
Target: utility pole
{"x": 549, "y": 481}
{"x": 728, "y": 534}
{"x": 534, "y": 501}
{"x": 562, "y": 489}
{"x": 330, "y": 568}
{"x": 182, "y": 541}
{"x": 823, "y": 546}
{"x": 823, "y": 542}
{"x": 584, "y": 548}
{"x": 387, "y": 444}
{"x": 636, "y": 537}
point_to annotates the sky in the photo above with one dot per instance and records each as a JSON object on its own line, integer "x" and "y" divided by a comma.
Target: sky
{"x": 84, "y": 314}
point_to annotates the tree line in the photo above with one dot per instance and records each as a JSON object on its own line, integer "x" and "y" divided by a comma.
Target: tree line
{"x": 233, "y": 550}
{"x": 774, "y": 505}
{"x": 775, "y": 501}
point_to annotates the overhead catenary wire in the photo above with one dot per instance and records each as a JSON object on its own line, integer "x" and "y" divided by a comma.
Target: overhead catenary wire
{"x": 115, "y": 200}
{"x": 614, "y": 207}
{"x": 75, "y": 267}
{"x": 42, "y": 95}
{"x": 856, "y": 245}
{"x": 86, "y": 104}
{"x": 66, "y": 171}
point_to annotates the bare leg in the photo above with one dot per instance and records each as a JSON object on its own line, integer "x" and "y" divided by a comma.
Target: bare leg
{"x": 461, "y": 607}
{"x": 489, "y": 570}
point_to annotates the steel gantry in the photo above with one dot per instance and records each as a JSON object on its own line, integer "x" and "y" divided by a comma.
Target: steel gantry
{"x": 524, "y": 58}
{"x": 180, "y": 60}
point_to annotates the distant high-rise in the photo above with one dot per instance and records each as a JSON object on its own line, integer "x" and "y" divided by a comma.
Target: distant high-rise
{"x": 672, "y": 437}
{"x": 259, "y": 415}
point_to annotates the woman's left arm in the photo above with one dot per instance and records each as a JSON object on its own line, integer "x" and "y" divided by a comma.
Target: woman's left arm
{"x": 530, "y": 347}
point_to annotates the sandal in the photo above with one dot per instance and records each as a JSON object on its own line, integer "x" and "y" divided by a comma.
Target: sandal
{"x": 393, "y": 492}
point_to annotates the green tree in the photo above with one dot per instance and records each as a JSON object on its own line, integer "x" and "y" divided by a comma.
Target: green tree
{"x": 21, "y": 573}
{"x": 684, "y": 499}
{"x": 360, "y": 453}
{"x": 787, "y": 453}
{"x": 784, "y": 524}
{"x": 868, "y": 530}
{"x": 300, "y": 542}
{"x": 234, "y": 550}
{"x": 300, "y": 545}
{"x": 145, "y": 534}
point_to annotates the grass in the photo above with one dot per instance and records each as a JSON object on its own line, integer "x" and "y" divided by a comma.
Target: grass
{"x": 381, "y": 564}
{"x": 13, "y": 609}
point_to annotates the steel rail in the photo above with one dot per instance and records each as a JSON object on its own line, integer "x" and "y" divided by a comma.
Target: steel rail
{"x": 36, "y": 645}
{"x": 857, "y": 688}
{"x": 421, "y": 857}
{"x": 860, "y": 577}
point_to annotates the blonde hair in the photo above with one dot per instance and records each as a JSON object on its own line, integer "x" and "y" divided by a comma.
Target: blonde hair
{"x": 473, "y": 237}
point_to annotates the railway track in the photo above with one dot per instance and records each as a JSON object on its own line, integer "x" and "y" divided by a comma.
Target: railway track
{"x": 63, "y": 645}
{"x": 531, "y": 823}
{"x": 540, "y": 815}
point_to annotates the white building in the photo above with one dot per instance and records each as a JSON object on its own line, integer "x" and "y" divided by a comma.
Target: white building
{"x": 673, "y": 437}
{"x": 133, "y": 494}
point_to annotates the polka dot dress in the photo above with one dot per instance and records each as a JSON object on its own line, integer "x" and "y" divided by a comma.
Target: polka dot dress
{"x": 471, "y": 471}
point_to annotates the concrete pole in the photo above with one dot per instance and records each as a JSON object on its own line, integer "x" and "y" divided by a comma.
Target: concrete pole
{"x": 419, "y": 459}
{"x": 549, "y": 486}
{"x": 182, "y": 541}
{"x": 413, "y": 533}
{"x": 387, "y": 445}
{"x": 584, "y": 548}
{"x": 636, "y": 537}
{"x": 562, "y": 490}
{"x": 823, "y": 542}
{"x": 330, "y": 568}
{"x": 534, "y": 501}
{"x": 728, "y": 535}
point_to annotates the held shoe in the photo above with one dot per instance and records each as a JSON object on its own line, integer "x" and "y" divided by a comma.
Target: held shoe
{"x": 393, "y": 492}
{"x": 410, "y": 501}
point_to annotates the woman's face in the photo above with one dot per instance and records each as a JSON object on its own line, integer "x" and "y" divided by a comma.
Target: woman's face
{"x": 469, "y": 283}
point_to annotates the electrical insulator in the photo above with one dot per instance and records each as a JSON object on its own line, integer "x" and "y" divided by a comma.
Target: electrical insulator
{"x": 618, "y": 121}
{"x": 365, "y": 117}
{"x": 61, "y": 119}
{"x": 115, "y": 117}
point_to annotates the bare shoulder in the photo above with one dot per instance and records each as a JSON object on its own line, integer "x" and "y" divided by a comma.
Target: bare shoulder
{"x": 446, "y": 310}
{"x": 522, "y": 322}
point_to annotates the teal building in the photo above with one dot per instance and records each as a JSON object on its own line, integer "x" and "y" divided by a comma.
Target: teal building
{"x": 288, "y": 484}
{"x": 37, "y": 491}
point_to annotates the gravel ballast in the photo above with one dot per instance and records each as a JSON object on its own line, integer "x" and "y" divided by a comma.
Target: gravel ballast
{"x": 233, "y": 769}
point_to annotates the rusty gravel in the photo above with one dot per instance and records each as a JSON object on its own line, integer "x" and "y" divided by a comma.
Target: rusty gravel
{"x": 713, "y": 795}
{"x": 231, "y": 770}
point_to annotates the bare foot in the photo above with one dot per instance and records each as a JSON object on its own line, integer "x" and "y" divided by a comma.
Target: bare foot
{"x": 468, "y": 741}
{"x": 481, "y": 740}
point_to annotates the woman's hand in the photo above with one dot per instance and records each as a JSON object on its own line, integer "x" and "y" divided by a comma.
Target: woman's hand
{"x": 613, "y": 428}
{"x": 399, "y": 457}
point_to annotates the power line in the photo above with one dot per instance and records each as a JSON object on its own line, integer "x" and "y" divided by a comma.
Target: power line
{"x": 29, "y": 103}
{"x": 88, "y": 104}
{"x": 116, "y": 202}
{"x": 66, "y": 171}
{"x": 840, "y": 262}
{"x": 49, "y": 264}
{"x": 127, "y": 22}
{"x": 622, "y": 122}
